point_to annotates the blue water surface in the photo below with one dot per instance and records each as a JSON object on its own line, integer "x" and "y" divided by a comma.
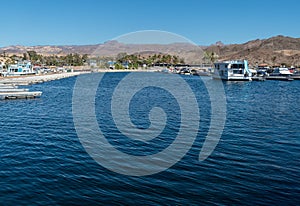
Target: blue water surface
{"x": 255, "y": 163}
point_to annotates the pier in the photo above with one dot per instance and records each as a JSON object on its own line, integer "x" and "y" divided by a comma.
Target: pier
{"x": 34, "y": 79}
{"x": 280, "y": 78}
{"x": 9, "y": 86}
{"x": 19, "y": 95}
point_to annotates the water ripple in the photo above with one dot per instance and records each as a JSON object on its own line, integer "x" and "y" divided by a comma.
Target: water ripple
{"x": 256, "y": 161}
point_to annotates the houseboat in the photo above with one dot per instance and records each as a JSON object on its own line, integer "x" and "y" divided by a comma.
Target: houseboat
{"x": 19, "y": 69}
{"x": 234, "y": 70}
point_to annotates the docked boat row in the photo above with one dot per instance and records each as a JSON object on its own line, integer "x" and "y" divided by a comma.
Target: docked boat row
{"x": 239, "y": 70}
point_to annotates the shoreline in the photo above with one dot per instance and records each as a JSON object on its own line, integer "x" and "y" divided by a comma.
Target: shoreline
{"x": 127, "y": 70}
{"x": 40, "y": 78}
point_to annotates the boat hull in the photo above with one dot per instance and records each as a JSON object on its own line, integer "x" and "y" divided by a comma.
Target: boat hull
{"x": 232, "y": 78}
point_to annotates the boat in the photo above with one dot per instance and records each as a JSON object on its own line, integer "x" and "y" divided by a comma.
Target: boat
{"x": 19, "y": 69}
{"x": 281, "y": 73}
{"x": 199, "y": 73}
{"x": 233, "y": 70}
{"x": 296, "y": 75}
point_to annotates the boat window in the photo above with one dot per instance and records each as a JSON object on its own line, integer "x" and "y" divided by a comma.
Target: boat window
{"x": 237, "y": 66}
{"x": 235, "y": 71}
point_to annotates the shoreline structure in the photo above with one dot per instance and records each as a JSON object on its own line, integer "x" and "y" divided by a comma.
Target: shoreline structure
{"x": 9, "y": 85}
{"x": 34, "y": 79}
{"x": 15, "y": 81}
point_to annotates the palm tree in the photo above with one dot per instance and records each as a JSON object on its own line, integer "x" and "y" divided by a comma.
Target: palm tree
{"x": 211, "y": 57}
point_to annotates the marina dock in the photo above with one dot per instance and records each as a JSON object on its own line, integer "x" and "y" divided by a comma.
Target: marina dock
{"x": 280, "y": 78}
{"x": 19, "y": 95}
{"x": 34, "y": 79}
{"x": 9, "y": 86}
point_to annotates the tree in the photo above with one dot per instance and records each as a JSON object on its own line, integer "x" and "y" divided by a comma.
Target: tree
{"x": 25, "y": 57}
{"x": 182, "y": 61}
{"x": 118, "y": 66}
{"x": 84, "y": 58}
{"x": 211, "y": 57}
{"x": 175, "y": 59}
{"x": 33, "y": 56}
{"x": 121, "y": 56}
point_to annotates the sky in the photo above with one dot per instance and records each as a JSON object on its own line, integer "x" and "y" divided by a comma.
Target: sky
{"x": 83, "y": 22}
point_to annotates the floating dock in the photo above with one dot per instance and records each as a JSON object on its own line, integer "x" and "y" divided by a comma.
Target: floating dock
{"x": 9, "y": 86}
{"x": 258, "y": 78}
{"x": 20, "y": 95}
{"x": 10, "y": 91}
{"x": 35, "y": 79}
{"x": 282, "y": 78}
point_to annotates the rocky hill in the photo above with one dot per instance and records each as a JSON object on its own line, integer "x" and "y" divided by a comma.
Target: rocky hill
{"x": 273, "y": 51}
{"x": 49, "y": 50}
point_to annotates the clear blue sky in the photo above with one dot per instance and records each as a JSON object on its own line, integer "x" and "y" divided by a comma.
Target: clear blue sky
{"x": 78, "y": 22}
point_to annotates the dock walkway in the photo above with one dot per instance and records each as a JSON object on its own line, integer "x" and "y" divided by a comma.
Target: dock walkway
{"x": 9, "y": 85}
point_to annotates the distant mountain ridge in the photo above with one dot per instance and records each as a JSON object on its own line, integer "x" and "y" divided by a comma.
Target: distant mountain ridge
{"x": 274, "y": 50}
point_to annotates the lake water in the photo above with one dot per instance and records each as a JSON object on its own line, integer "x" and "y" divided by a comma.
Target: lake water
{"x": 256, "y": 161}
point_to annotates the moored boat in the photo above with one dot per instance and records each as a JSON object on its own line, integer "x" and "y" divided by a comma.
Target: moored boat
{"x": 281, "y": 73}
{"x": 19, "y": 69}
{"x": 235, "y": 70}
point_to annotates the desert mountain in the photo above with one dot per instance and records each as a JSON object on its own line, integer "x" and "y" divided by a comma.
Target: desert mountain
{"x": 276, "y": 50}
{"x": 273, "y": 51}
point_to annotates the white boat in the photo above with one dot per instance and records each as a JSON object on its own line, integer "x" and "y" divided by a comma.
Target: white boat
{"x": 281, "y": 71}
{"x": 19, "y": 69}
{"x": 234, "y": 70}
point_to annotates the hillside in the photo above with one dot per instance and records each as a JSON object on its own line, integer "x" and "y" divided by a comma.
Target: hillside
{"x": 187, "y": 51}
{"x": 272, "y": 51}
